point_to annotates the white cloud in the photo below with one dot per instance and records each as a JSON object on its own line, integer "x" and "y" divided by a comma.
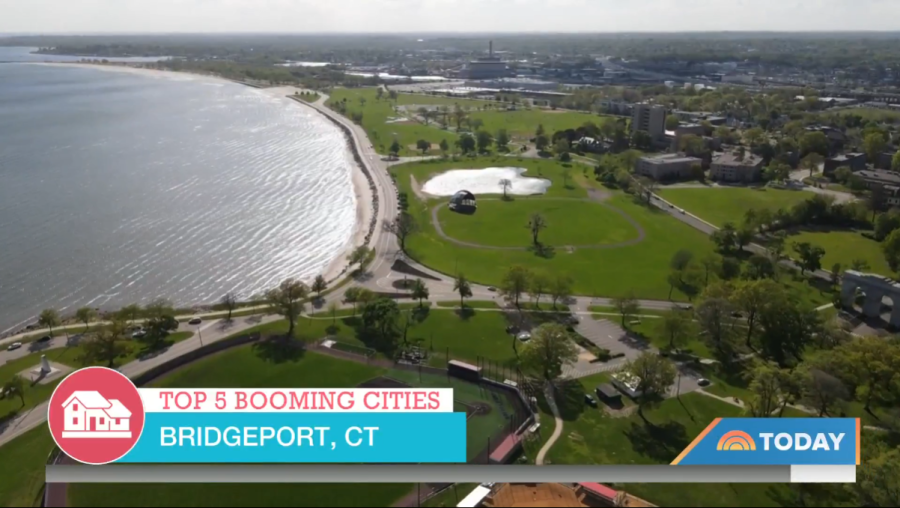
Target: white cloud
{"x": 299, "y": 16}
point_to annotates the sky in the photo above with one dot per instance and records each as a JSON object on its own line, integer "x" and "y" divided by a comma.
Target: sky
{"x": 370, "y": 16}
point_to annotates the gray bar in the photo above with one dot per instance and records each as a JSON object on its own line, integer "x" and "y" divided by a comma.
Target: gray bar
{"x": 405, "y": 473}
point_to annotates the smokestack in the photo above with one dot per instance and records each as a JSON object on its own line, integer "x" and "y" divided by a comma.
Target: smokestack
{"x": 491, "y": 49}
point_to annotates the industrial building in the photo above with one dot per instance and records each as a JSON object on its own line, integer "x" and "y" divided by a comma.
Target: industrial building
{"x": 650, "y": 118}
{"x": 489, "y": 67}
{"x": 670, "y": 166}
{"x": 737, "y": 167}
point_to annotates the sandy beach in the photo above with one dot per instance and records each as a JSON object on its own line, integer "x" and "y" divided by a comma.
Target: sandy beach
{"x": 362, "y": 194}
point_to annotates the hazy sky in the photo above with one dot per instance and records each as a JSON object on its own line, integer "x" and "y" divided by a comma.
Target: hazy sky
{"x": 444, "y": 15}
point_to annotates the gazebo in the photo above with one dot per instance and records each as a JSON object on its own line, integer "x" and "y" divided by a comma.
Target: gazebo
{"x": 463, "y": 202}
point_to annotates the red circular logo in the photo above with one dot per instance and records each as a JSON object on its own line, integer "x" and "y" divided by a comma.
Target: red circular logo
{"x": 96, "y": 415}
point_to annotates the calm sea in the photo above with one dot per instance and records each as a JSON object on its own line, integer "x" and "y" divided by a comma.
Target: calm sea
{"x": 119, "y": 188}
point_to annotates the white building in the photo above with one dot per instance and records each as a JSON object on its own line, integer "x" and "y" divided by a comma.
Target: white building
{"x": 89, "y": 415}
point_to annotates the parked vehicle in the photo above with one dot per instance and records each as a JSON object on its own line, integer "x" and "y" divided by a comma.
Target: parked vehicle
{"x": 45, "y": 338}
{"x": 195, "y": 321}
{"x": 590, "y": 401}
{"x": 14, "y": 346}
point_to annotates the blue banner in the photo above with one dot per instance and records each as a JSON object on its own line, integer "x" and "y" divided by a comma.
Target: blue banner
{"x": 206, "y": 438}
{"x": 775, "y": 441}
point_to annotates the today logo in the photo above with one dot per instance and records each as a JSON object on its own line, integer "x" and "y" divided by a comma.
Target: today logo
{"x": 737, "y": 440}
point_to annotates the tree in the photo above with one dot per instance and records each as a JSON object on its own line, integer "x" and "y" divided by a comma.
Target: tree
{"x": 444, "y": 147}
{"x": 760, "y": 267}
{"x": 419, "y": 291}
{"x": 895, "y": 161}
{"x": 824, "y": 391}
{"x": 859, "y": 265}
{"x": 754, "y": 137}
{"x": 878, "y": 477}
{"x": 506, "y": 185}
{"x": 775, "y": 248}
{"x": 677, "y": 327}
{"x": 379, "y": 93}
{"x": 765, "y": 390}
{"x": 287, "y": 300}
{"x": 835, "y": 274}
{"x": 484, "y": 140}
{"x": 423, "y": 112}
{"x": 536, "y": 224}
{"x": 885, "y": 224}
{"x": 843, "y": 174}
{"x": 810, "y": 256}
{"x": 541, "y": 142}
{"x": 714, "y": 317}
{"x": 672, "y": 122}
{"x": 131, "y": 312}
{"x": 106, "y": 344}
{"x": 381, "y": 315}
{"x": 641, "y": 140}
{"x": 777, "y": 171}
{"x": 49, "y": 318}
{"x": 814, "y": 142}
{"x": 730, "y": 268}
{"x": 319, "y": 285}
{"x": 540, "y": 130}
{"x": 692, "y": 145}
{"x": 681, "y": 260}
{"x": 515, "y": 282}
{"x": 654, "y": 374}
{"x": 459, "y": 115}
{"x": 333, "y": 310}
{"x": 871, "y": 366}
{"x": 466, "y": 143}
{"x": 549, "y": 351}
{"x": 725, "y": 238}
{"x": 538, "y": 287}
{"x": 475, "y": 123}
{"x": 352, "y": 296}
{"x": 461, "y": 285}
{"x": 15, "y": 387}
{"x": 395, "y": 148}
{"x": 423, "y": 146}
{"x": 401, "y": 227}
{"x": 358, "y": 256}
{"x": 750, "y": 297}
{"x": 711, "y": 264}
{"x": 786, "y": 327}
{"x": 502, "y": 140}
{"x": 561, "y": 146}
{"x": 85, "y": 315}
{"x": 560, "y": 288}
{"x": 725, "y": 134}
{"x": 874, "y": 144}
{"x": 392, "y": 94}
{"x": 627, "y": 306}
{"x": 230, "y": 302}
{"x": 811, "y": 162}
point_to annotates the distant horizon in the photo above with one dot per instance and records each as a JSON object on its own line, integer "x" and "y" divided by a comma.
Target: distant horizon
{"x": 441, "y": 33}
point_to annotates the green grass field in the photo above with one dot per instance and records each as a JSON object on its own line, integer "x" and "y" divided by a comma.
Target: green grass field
{"x": 523, "y": 123}
{"x": 843, "y": 247}
{"x": 720, "y": 205}
{"x": 569, "y": 222}
{"x": 641, "y": 268}
{"x": 22, "y": 463}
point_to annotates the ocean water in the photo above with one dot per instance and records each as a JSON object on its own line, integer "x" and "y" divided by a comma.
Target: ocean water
{"x": 118, "y": 188}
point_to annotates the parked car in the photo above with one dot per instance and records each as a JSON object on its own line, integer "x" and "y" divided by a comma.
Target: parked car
{"x": 492, "y": 289}
{"x": 524, "y": 337}
{"x": 14, "y": 346}
{"x": 703, "y": 382}
{"x": 45, "y": 338}
{"x": 590, "y": 401}
{"x": 686, "y": 306}
{"x": 140, "y": 334}
{"x": 195, "y": 321}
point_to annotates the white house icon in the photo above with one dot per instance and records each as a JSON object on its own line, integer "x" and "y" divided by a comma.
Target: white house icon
{"x": 89, "y": 415}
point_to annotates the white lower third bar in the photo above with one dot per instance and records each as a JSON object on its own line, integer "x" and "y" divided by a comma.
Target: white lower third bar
{"x": 823, "y": 474}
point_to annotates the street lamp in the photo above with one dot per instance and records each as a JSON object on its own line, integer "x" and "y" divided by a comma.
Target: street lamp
{"x": 200, "y": 334}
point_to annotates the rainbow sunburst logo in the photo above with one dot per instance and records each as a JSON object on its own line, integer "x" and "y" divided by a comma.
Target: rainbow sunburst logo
{"x": 736, "y": 440}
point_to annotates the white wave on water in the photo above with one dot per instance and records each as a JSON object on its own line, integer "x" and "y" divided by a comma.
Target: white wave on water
{"x": 485, "y": 181}
{"x": 260, "y": 193}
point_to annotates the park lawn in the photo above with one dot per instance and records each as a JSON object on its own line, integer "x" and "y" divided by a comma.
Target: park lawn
{"x": 641, "y": 268}
{"x": 602, "y": 309}
{"x": 843, "y": 247}
{"x": 569, "y": 222}
{"x": 22, "y": 463}
{"x": 522, "y": 123}
{"x": 472, "y": 304}
{"x": 415, "y": 99}
{"x": 718, "y": 205}
{"x": 377, "y": 113}
{"x": 595, "y": 438}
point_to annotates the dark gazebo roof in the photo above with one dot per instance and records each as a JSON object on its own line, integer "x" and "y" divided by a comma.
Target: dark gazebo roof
{"x": 462, "y": 196}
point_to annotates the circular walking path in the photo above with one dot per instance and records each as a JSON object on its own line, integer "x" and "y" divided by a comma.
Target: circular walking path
{"x": 598, "y": 197}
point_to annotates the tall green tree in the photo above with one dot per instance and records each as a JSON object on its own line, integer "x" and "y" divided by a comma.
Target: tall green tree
{"x": 536, "y": 224}
{"x": 395, "y": 148}
{"x": 15, "y": 387}
{"x": 85, "y": 315}
{"x": 714, "y": 317}
{"x": 501, "y": 139}
{"x": 131, "y": 312}
{"x": 319, "y": 285}
{"x": 515, "y": 282}
{"x": 672, "y": 122}
{"x": 751, "y": 296}
{"x": 627, "y": 306}
{"x": 49, "y": 318}
{"x": 230, "y": 302}
{"x": 677, "y": 325}
{"x": 810, "y": 256}
{"x": 466, "y": 143}
{"x": 358, "y": 256}
{"x": 560, "y": 288}
{"x": 538, "y": 287}
{"x": 461, "y": 285}
{"x": 824, "y": 392}
{"x": 891, "y": 249}
{"x": 655, "y": 375}
{"x": 787, "y": 327}
{"x": 287, "y": 301}
{"x": 811, "y": 162}
{"x": 423, "y": 145}
{"x": 420, "y": 291}
{"x": 765, "y": 390}
{"x": 549, "y": 350}
{"x": 895, "y": 161}
{"x": 444, "y": 147}
{"x": 814, "y": 142}
{"x": 381, "y": 315}
{"x": 874, "y": 143}
{"x": 402, "y": 227}
{"x": 106, "y": 344}
{"x": 871, "y": 366}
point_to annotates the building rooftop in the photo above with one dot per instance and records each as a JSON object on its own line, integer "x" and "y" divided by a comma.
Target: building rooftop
{"x": 734, "y": 159}
{"x": 667, "y": 158}
{"x": 881, "y": 176}
{"x": 847, "y": 156}
{"x": 542, "y": 494}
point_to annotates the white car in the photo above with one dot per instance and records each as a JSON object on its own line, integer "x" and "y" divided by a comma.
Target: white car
{"x": 14, "y": 346}
{"x": 140, "y": 334}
